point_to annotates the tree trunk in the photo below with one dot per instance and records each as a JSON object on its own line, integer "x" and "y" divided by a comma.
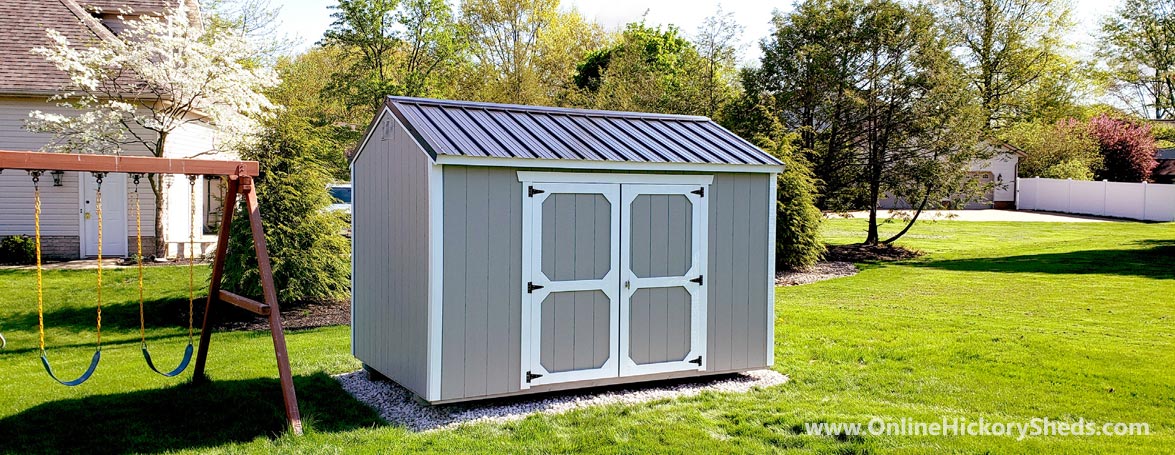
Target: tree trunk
{"x": 874, "y": 195}
{"x": 160, "y": 203}
{"x": 921, "y": 207}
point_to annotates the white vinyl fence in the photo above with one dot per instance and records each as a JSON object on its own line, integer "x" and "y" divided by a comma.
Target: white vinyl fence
{"x": 1139, "y": 201}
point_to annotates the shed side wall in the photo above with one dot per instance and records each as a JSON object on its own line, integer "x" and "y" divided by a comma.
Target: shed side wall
{"x": 390, "y": 248}
{"x": 481, "y": 342}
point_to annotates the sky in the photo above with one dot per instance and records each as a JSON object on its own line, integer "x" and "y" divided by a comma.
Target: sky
{"x": 306, "y": 20}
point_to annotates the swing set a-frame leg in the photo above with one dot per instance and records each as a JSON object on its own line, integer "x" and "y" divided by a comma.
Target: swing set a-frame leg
{"x": 244, "y": 185}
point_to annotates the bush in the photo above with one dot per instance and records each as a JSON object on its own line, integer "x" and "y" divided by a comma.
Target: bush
{"x": 1061, "y": 150}
{"x": 310, "y": 257}
{"x": 797, "y": 231}
{"x": 1127, "y": 148}
{"x": 18, "y": 250}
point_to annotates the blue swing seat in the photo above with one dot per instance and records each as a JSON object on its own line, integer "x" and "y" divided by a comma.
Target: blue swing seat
{"x": 81, "y": 379}
{"x": 179, "y": 369}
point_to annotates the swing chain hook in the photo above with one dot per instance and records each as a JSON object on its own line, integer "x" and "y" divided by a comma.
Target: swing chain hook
{"x": 135, "y": 178}
{"x": 36, "y": 176}
{"x": 98, "y": 176}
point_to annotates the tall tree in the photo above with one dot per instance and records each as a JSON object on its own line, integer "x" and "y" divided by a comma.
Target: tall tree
{"x": 878, "y": 99}
{"x": 1008, "y": 46}
{"x": 366, "y": 27}
{"x": 1138, "y": 46}
{"x": 163, "y": 74}
{"x": 647, "y": 69}
{"x": 392, "y": 47}
{"x": 717, "y": 41}
{"x": 505, "y": 44}
{"x": 809, "y": 64}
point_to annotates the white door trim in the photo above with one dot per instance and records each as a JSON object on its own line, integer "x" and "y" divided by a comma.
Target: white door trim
{"x": 697, "y": 291}
{"x": 532, "y": 229}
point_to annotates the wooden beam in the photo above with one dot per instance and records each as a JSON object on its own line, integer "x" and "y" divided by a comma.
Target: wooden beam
{"x": 41, "y": 161}
{"x": 270, "y": 293}
{"x": 244, "y": 302}
{"x": 226, "y": 222}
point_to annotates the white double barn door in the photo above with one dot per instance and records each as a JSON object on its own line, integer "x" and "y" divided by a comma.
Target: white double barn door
{"x": 614, "y": 280}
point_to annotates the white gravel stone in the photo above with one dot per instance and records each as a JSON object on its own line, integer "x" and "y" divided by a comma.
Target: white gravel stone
{"x": 397, "y": 405}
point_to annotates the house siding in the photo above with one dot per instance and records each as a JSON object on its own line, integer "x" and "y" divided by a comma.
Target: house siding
{"x": 390, "y": 246}
{"x": 60, "y": 209}
{"x": 482, "y": 296}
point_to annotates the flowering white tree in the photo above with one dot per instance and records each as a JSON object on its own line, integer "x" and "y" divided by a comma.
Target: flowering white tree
{"x": 159, "y": 75}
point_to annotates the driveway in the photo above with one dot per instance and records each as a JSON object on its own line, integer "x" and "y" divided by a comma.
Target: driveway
{"x": 983, "y": 215}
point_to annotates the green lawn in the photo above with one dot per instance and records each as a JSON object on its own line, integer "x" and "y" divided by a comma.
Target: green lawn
{"x": 1001, "y": 321}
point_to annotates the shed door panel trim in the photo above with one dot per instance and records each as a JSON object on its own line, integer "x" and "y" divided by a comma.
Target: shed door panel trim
{"x": 614, "y": 280}
{"x": 571, "y": 264}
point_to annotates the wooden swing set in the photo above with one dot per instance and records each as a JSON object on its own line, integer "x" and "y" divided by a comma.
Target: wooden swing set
{"x": 240, "y": 182}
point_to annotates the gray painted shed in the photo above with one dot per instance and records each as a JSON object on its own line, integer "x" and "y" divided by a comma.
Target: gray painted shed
{"x": 503, "y": 249}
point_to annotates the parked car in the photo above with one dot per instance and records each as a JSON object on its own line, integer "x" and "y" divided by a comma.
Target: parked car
{"x": 341, "y": 193}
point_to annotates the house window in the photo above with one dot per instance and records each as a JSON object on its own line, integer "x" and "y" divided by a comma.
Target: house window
{"x": 214, "y": 189}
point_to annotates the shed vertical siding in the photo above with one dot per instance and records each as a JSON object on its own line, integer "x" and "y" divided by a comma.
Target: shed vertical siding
{"x": 390, "y": 247}
{"x": 481, "y": 342}
{"x": 482, "y": 297}
{"x": 737, "y": 301}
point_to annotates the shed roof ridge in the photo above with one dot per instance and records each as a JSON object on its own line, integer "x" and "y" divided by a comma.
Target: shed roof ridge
{"x": 568, "y": 111}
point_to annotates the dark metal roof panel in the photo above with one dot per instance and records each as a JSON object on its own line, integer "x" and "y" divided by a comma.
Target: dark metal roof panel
{"x": 464, "y": 128}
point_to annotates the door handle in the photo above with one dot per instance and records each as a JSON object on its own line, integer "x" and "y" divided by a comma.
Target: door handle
{"x": 627, "y": 284}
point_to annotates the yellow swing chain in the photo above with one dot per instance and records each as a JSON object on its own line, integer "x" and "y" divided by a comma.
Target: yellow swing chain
{"x": 40, "y": 269}
{"x": 37, "y": 230}
{"x": 139, "y": 255}
{"x": 191, "y": 254}
{"x": 98, "y": 208}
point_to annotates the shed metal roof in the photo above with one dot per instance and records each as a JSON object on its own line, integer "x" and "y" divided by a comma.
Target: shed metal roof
{"x": 1165, "y": 153}
{"x": 464, "y": 128}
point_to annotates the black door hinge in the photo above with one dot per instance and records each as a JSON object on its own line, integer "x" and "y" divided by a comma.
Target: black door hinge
{"x": 697, "y": 361}
{"x": 530, "y": 287}
{"x": 531, "y": 191}
{"x": 531, "y": 376}
{"x": 701, "y": 192}
{"x": 697, "y": 280}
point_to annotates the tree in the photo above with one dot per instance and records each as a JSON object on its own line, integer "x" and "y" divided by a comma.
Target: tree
{"x": 392, "y": 47}
{"x": 327, "y": 118}
{"x": 1008, "y": 47}
{"x": 163, "y": 74}
{"x": 505, "y": 45}
{"x": 877, "y": 100}
{"x": 1127, "y": 148}
{"x": 648, "y": 69}
{"x": 1066, "y": 149}
{"x": 256, "y": 20}
{"x": 1138, "y": 46}
{"x": 809, "y": 63}
{"x": 717, "y": 40}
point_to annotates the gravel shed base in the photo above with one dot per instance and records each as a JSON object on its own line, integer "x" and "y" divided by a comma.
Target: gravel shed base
{"x": 397, "y": 405}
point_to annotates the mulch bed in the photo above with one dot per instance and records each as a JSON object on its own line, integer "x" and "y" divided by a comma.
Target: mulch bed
{"x": 296, "y": 315}
{"x": 869, "y": 253}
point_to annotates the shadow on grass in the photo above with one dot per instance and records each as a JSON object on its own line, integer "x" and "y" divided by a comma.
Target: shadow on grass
{"x": 1155, "y": 260}
{"x": 157, "y": 313}
{"x": 186, "y": 416}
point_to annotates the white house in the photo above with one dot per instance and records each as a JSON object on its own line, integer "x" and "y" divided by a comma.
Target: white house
{"x": 1001, "y": 169}
{"x": 68, "y": 224}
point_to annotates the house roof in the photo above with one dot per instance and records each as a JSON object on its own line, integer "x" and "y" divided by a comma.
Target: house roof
{"x": 23, "y": 23}
{"x": 134, "y": 5}
{"x": 472, "y": 129}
